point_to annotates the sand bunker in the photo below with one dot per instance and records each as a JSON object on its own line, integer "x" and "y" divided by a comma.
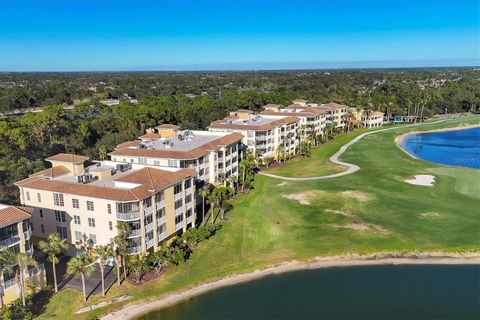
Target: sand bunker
{"x": 340, "y": 212}
{"x": 361, "y": 226}
{"x": 302, "y": 198}
{"x": 426, "y": 180}
{"x": 360, "y": 196}
{"x": 428, "y": 215}
{"x": 281, "y": 184}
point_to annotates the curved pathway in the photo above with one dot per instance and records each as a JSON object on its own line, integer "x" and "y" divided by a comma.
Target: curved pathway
{"x": 351, "y": 168}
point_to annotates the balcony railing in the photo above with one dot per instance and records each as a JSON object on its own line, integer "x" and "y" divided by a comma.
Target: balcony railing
{"x": 28, "y": 234}
{"x": 132, "y": 250}
{"x": 134, "y": 233}
{"x": 162, "y": 236}
{"x": 150, "y": 243}
{"x": 34, "y": 271}
{"x": 189, "y": 190}
{"x": 160, "y": 204}
{"x": 10, "y": 283}
{"x": 161, "y": 220}
{"x": 178, "y": 196}
{"x": 149, "y": 227}
{"x": 148, "y": 210}
{"x": 128, "y": 216}
{"x": 9, "y": 241}
{"x": 178, "y": 211}
{"x": 179, "y": 226}
{"x": 189, "y": 219}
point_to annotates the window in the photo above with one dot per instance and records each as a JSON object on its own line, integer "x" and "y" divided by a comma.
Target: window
{"x": 41, "y": 213}
{"x": 91, "y": 222}
{"x": 188, "y": 198}
{"x": 156, "y": 162}
{"x": 75, "y": 203}
{"x": 28, "y": 195}
{"x": 43, "y": 228}
{"x": 142, "y": 160}
{"x": 62, "y": 231}
{"x": 90, "y": 206}
{"x": 200, "y": 161}
{"x": 78, "y": 236}
{"x": 177, "y": 189}
{"x": 178, "y": 219}
{"x": 189, "y": 213}
{"x": 188, "y": 183}
{"x": 76, "y": 219}
{"x": 39, "y": 197}
{"x": 178, "y": 203}
{"x": 201, "y": 172}
{"x": 60, "y": 216}
{"x": 58, "y": 199}
{"x": 93, "y": 238}
{"x": 220, "y": 154}
{"x": 110, "y": 225}
{"x": 109, "y": 208}
{"x": 172, "y": 163}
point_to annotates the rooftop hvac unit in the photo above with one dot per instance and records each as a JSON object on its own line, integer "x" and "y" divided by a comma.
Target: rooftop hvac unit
{"x": 128, "y": 166}
{"x": 78, "y": 179}
{"x": 180, "y": 137}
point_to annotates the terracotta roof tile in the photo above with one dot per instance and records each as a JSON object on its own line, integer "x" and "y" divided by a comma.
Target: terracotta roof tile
{"x": 68, "y": 157}
{"x": 167, "y": 126}
{"x": 12, "y": 214}
{"x": 51, "y": 172}
{"x": 222, "y": 124}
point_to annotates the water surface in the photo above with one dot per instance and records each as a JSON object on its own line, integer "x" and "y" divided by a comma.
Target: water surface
{"x": 457, "y": 147}
{"x": 367, "y": 292}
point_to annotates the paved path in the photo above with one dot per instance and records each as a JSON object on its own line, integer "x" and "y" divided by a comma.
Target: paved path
{"x": 351, "y": 168}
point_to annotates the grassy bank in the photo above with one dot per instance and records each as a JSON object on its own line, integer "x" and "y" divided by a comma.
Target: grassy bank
{"x": 371, "y": 210}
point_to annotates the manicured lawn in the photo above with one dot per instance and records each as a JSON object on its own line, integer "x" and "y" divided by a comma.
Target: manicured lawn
{"x": 318, "y": 163}
{"x": 371, "y": 210}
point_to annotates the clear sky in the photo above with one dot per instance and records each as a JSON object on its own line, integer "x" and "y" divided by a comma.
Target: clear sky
{"x": 76, "y": 35}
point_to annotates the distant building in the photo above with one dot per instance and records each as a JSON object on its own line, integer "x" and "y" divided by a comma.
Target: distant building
{"x": 366, "y": 118}
{"x": 110, "y": 102}
{"x": 84, "y": 202}
{"x": 263, "y": 135}
{"x": 15, "y": 234}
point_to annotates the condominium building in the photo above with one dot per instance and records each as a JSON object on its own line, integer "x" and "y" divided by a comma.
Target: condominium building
{"x": 264, "y": 135}
{"x": 312, "y": 119}
{"x": 208, "y": 153}
{"x": 15, "y": 234}
{"x": 335, "y": 113}
{"x": 366, "y": 118}
{"x": 83, "y": 201}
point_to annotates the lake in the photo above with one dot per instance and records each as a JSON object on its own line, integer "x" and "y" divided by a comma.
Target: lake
{"x": 457, "y": 147}
{"x": 373, "y": 292}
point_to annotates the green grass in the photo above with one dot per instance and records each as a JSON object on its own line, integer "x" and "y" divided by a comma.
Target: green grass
{"x": 266, "y": 228}
{"x": 318, "y": 163}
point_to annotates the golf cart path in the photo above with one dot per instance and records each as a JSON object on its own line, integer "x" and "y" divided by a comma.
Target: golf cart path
{"x": 351, "y": 168}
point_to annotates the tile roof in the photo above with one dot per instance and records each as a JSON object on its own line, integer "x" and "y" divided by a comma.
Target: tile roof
{"x": 243, "y": 111}
{"x": 167, "y": 126}
{"x": 150, "y": 180}
{"x": 11, "y": 214}
{"x": 333, "y": 106}
{"x": 224, "y": 124}
{"x": 51, "y": 172}
{"x": 68, "y": 157}
{"x": 195, "y": 153}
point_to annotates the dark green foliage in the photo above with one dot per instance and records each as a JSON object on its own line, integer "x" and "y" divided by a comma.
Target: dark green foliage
{"x": 16, "y": 310}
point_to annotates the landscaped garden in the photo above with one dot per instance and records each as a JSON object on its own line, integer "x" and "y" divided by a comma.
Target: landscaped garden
{"x": 372, "y": 210}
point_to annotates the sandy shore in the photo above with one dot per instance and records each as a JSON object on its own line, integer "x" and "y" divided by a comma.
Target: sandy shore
{"x": 399, "y": 139}
{"x": 134, "y": 310}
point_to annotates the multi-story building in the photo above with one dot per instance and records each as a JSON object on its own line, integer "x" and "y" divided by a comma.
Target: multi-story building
{"x": 15, "y": 234}
{"x": 208, "y": 153}
{"x": 312, "y": 119}
{"x": 84, "y": 201}
{"x": 366, "y": 118}
{"x": 336, "y": 113}
{"x": 264, "y": 135}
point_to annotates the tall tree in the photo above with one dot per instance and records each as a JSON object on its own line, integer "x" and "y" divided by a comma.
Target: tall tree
{"x": 23, "y": 261}
{"x": 83, "y": 265}
{"x": 53, "y": 248}
{"x": 103, "y": 253}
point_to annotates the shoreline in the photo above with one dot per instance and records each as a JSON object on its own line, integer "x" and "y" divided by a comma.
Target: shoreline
{"x": 399, "y": 139}
{"x": 134, "y": 310}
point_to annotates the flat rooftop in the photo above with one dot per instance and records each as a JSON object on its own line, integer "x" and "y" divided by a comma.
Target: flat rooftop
{"x": 256, "y": 122}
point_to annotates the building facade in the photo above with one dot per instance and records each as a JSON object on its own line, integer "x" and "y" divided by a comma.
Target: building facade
{"x": 366, "y": 118}
{"x": 208, "y": 153}
{"x": 15, "y": 234}
{"x": 84, "y": 202}
{"x": 263, "y": 135}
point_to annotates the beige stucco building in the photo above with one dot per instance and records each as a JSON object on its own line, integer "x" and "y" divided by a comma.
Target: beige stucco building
{"x": 208, "y": 153}
{"x": 265, "y": 135}
{"x": 15, "y": 234}
{"x": 366, "y": 118}
{"x": 83, "y": 201}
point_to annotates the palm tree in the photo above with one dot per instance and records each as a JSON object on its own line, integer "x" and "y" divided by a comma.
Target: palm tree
{"x": 23, "y": 261}
{"x": 232, "y": 181}
{"x": 245, "y": 168}
{"x": 53, "y": 248}
{"x": 103, "y": 254}
{"x": 213, "y": 201}
{"x": 219, "y": 197}
{"x": 81, "y": 264}
{"x": 6, "y": 265}
{"x": 221, "y": 178}
{"x": 121, "y": 244}
{"x": 204, "y": 193}
{"x": 139, "y": 265}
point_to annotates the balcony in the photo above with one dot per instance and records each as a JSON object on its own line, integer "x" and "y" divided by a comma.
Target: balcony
{"x": 9, "y": 241}
{"x": 10, "y": 283}
{"x": 133, "y": 250}
{"x": 134, "y": 233}
{"x": 149, "y": 227}
{"x": 128, "y": 216}
{"x": 34, "y": 271}
{"x": 160, "y": 204}
{"x": 162, "y": 236}
{"x": 148, "y": 210}
{"x": 29, "y": 252}
{"x": 189, "y": 219}
{"x": 178, "y": 196}
{"x": 179, "y": 226}
{"x": 189, "y": 190}
{"x": 178, "y": 211}
{"x": 189, "y": 205}
{"x": 161, "y": 220}
{"x": 150, "y": 243}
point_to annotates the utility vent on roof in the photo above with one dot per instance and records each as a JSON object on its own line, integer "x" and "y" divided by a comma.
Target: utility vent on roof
{"x": 85, "y": 178}
{"x": 168, "y": 143}
{"x": 121, "y": 167}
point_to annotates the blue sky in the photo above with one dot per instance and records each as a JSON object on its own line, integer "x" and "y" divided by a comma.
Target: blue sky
{"x": 76, "y": 35}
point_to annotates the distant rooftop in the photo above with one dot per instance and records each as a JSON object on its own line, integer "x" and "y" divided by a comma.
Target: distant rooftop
{"x": 13, "y": 214}
{"x": 255, "y": 122}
